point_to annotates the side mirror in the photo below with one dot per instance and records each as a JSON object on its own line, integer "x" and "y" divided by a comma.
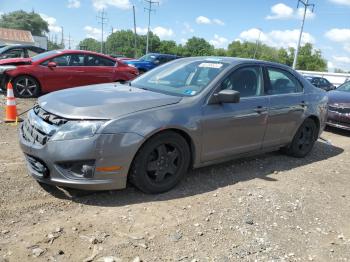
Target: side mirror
{"x": 51, "y": 64}
{"x": 228, "y": 96}
{"x": 156, "y": 62}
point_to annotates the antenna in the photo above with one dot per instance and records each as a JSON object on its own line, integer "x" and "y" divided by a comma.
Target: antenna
{"x": 149, "y": 9}
{"x": 306, "y": 5}
{"x": 103, "y": 21}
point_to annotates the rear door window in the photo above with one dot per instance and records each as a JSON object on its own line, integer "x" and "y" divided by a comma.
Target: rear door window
{"x": 94, "y": 60}
{"x": 281, "y": 82}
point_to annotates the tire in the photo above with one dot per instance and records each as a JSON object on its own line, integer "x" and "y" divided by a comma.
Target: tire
{"x": 26, "y": 87}
{"x": 161, "y": 163}
{"x": 303, "y": 140}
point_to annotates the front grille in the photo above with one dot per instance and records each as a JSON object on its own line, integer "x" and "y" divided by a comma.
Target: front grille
{"x": 38, "y": 166}
{"x": 339, "y": 109}
{"x": 48, "y": 117}
{"x": 33, "y": 135}
{"x": 40, "y": 126}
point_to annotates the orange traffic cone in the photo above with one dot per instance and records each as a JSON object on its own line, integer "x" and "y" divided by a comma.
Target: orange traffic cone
{"x": 11, "y": 109}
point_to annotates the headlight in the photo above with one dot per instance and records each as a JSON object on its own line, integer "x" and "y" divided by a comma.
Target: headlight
{"x": 77, "y": 130}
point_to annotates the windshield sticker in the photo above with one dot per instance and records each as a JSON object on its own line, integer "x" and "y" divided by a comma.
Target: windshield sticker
{"x": 211, "y": 65}
{"x": 190, "y": 92}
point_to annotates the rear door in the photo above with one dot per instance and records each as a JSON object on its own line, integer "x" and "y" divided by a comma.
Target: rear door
{"x": 234, "y": 128}
{"x": 98, "y": 69}
{"x": 287, "y": 106}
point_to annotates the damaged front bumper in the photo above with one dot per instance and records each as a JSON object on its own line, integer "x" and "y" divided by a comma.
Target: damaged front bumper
{"x": 80, "y": 163}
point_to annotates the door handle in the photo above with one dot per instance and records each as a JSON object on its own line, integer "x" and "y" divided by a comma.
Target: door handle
{"x": 260, "y": 109}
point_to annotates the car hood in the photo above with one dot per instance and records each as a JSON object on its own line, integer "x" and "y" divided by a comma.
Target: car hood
{"x": 105, "y": 101}
{"x": 340, "y": 97}
{"x": 16, "y": 61}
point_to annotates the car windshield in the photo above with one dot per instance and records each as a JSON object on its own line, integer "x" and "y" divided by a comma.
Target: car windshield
{"x": 148, "y": 58}
{"x": 344, "y": 87}
{"x": 44, "y": 55}
{"x": 181, "y": 78}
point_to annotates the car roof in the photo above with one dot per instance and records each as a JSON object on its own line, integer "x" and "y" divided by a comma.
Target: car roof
{"x": 73, "y": 51}
{"x": 236, "y": 60}
{"x": 23, "y": 46}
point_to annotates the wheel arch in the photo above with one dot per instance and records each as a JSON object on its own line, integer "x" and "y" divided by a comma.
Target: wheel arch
{"x": 178, "y": 131}
{"x": 13, "y": 78}
{"x": 317, "y": 122}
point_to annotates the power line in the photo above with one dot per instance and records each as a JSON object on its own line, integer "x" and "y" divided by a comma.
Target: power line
{"x": 103, "y": 21}
{"x": 149, "y": 9}
{"x": 306, "y": 6}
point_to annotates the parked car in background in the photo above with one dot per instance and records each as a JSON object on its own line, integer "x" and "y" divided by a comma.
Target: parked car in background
{"x": 60, "y": 69}
{"x": 122, "y": 57}
{"x": 339, "y": 107}
{"x": 190, "y": 112}
{"x": 20, "y": 51}
{"x": 321, "y": 82}
{"x": 150, "y": 61}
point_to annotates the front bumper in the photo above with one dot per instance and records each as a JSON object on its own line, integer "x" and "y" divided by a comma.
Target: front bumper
{"x": 46, "y": 162}
{"x": 339, "y": 120}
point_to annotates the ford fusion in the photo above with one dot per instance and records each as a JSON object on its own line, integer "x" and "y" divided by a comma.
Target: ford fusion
{"x": 185, "y": 114}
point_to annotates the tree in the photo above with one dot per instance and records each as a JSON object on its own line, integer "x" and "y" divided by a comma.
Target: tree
{"x": 311, "y": 59}
{"x": 53, "y": 46}
{"x": 196, "y": 46}
{"x": 168, "y": 47}
{"x": 25, "y": 21}
{"x": 90, "y": 44}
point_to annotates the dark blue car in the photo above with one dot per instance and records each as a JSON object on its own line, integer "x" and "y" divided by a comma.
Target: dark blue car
{"x": 150, "y": 61}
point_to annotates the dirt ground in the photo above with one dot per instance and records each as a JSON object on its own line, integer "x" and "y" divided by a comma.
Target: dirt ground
{"x": 265, "y": 208}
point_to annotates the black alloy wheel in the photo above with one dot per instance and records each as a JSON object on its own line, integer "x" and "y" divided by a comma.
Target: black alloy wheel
{"x": 160, "y": 163}
{"x": 303, "y": 140}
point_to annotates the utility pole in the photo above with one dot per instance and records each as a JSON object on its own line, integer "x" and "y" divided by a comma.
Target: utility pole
{"x": 149, "y": 9}
{"x": 306, "y": 6}
{"x": 103, "y": 18}
{"x": 257, "y": 44}
{"x": 69, "y": 40}
{"x": 135, "y": 34}
{"x": 62, "y": 38}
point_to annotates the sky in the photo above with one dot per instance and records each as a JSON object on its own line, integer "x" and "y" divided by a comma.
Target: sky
{"x": 220, "y": 22}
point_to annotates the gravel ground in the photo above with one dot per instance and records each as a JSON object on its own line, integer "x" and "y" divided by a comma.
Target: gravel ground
{"x": 265, "y": 208}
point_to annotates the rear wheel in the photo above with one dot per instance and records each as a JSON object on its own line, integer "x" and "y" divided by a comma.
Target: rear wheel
{"x": 160, "y": 163}
{"x": 26, "y": 87}
{"x": 303, "y": 140}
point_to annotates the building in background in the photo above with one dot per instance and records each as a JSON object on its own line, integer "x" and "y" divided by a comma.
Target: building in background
{"x": 15, "y": 36}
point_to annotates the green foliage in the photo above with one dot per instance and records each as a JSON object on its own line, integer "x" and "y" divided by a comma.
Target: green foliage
{"x": 53, "y": 46}
{"x": 122, "y": 42}
{"x": 196, "y": 46}
{"x": 90, "y": 44}
{"x": 26, "y": 21}
{"x": 311, "y": 59}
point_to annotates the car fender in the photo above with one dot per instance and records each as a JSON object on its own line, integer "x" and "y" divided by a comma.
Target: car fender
{"x": 151, "y": 122}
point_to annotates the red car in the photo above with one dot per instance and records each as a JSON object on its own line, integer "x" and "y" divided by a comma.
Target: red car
{"x": 59, "y": 69}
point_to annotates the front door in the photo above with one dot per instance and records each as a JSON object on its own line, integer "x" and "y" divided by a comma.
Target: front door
{"x": 234, "y": 128}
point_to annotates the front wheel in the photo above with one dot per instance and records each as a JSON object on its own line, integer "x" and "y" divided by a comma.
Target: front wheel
{"x": 26, "y": 87}
{"x": 303, "y": 140}
{"x": 160, "y": 163}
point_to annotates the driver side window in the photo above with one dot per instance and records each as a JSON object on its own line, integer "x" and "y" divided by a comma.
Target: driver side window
{"x": 247, "y": 81}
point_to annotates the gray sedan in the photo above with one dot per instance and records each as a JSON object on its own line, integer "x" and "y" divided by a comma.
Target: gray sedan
{"x": 187, "y": 113}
